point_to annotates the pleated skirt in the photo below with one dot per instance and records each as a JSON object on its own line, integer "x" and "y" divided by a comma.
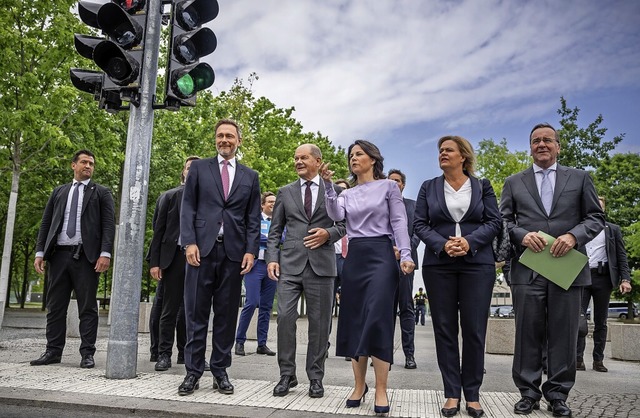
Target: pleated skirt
{"x": 369, "y": 282}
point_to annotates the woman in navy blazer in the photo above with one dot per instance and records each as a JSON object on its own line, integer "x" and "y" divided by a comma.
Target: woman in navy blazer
{"x": 457, "y": 217}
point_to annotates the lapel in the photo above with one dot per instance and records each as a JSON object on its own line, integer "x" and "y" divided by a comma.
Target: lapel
{"x": 237, "y": 179}
{"x": 440, "y": 197}
{"x": 320, "y": 198}
{"x": 89, "y": 189}
{"x": 610, "y": 244}
{"x": 529, "y": 180}
{"x": 217, "y": 179}
{"x": 476, "y": 196}
{"x": 296, "y": 195}
{"x": 562, "y": 177}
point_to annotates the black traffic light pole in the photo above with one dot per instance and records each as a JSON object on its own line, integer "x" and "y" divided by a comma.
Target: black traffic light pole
{"x": 122, "y": 349}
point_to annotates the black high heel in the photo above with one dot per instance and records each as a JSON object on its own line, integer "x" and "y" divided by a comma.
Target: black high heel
{"x": 354, "y": 403}
{"x": 474, "y": 413}
{"x": 449, "y": 412}
{"x": 381, "y": 410}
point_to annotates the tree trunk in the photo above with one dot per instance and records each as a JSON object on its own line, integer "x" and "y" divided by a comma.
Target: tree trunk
{"x": 8, "y": 238}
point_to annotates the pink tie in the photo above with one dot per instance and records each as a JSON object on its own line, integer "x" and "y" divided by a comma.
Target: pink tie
{"x": 345, "y": 248}
{"x": 225, "y": 178}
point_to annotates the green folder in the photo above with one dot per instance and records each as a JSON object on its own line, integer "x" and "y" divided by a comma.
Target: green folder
{"x": 560, "y": 270}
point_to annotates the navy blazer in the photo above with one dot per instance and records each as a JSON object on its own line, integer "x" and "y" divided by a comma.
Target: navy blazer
{"x": 616, "y": 254}
{"x": 204, "y": 209}
{"x": 166, "y": 228}
{"x": 434, "y": 225}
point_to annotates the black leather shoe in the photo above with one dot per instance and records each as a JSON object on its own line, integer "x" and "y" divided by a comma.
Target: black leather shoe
{"x": 263, "y": 349}
{"x": 240, "y": 349}
{"x": 474, "y": 413}
{"x": 87, "y": 362}
{"x": 180, "y": 358}
{"x": 559, "y": 408}
{"x": 599, "y": 367}
{"x": 410, "y": 363}
{"x": 315, "y": 388}
{"x": 164, "y": 363}
{"x": 449, "y": 412}
{"x": 223, "y": 385}
{"x": 153, "y": 358}
{"x": 526, "y": 405}
{"x": 46, "y": 358}
{"x": 189, "y": 384}
{"x": 283, "y": 386}
{"x": 580, "y": 365}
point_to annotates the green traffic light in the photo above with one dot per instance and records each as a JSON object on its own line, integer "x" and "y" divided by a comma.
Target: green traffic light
{"x": 195, "y": 79}
{"x": 186, "y": 85}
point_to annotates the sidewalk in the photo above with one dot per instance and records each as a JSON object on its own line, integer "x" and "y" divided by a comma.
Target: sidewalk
{"x": 412, "y": 393}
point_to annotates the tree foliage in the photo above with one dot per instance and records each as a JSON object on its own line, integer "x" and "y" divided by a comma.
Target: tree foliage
{"x": 495, "y": 162}
{"x": 618, "y": 179}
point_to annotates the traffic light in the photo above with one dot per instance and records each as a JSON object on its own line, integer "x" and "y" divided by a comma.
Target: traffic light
{"x": 188, "y": 42}
{"x": 119, "y": 56}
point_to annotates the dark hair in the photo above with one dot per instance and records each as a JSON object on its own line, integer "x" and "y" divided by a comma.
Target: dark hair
{"x": 228, "y": 122}
{"x": 190, "y": 158}
{"x": 264, "y": 196}
{"x": 344, "y": 181}
{"x": 403, "y": 177}
{"x": 372, "y": 151}
{"x": 80, "y": 152}
{"x": 466, "y": 150}
{"x": 545, "y": 125}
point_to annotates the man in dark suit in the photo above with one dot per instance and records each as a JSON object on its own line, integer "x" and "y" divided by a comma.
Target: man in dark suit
{"x": 220, "y": 231}
{"x": 609, "y": 269}
{"x": 562, "y": 202}
{"x": 404, "y": 298}
{"x": 306, "y": 263}
{"x": 76, "y": 240}
{"x": 167, "y": 266}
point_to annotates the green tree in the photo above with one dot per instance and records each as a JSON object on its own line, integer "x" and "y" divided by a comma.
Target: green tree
{"x": 495, "y": 162}
{"x": 583, "y": 148}
{"x": 618, "y": 179}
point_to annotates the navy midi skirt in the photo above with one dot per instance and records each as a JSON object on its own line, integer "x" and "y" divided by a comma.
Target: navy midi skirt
{"x": 369, "y": 283}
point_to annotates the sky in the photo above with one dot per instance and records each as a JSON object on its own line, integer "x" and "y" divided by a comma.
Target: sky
{"x": 405, "y": 73}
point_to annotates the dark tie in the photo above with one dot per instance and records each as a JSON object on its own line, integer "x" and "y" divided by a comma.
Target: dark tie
{"x": 73, "y": 211}
{"x": 307, "y": 199}
{"x": 546, "y": 192}
{"x": 225, "y": 178}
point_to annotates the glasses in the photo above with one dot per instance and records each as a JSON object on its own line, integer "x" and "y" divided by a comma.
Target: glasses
{"x": 547, "y": 141}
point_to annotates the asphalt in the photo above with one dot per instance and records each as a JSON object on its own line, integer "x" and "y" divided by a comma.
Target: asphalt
{"x": 412, "y": 393}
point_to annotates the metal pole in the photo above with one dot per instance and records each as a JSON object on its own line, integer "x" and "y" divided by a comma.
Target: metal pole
{"x": 122, "y": 350}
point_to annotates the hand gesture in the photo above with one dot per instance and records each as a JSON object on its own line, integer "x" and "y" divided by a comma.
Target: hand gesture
{"x": 325, "y": 173}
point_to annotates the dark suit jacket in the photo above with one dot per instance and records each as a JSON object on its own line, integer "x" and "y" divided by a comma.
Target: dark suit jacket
{"x": 434, "y": 225}
{"x": 204, "y": 209}
{"x": 166, "y": 228}
{"x": 410, "y": 206}
{"x": 616, "y": 254}
{"x": 575, "y": 209}
{"x": 97, "y": 221}
{"x": 289, "y": 212}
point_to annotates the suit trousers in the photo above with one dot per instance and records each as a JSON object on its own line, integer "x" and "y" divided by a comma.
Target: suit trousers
{"x": 600, "y": 291}
{"x": 318, "y": 292}
{"x": 460, "y": 289}
{"x": 259, "y": 293}
{"x": 172, "y": 322}
{"x": 405, "y": 309}
{"x": 545, "y": 313}
{"x": 217, "y": 280}
{"x": 154, "y": 318}
{"x": 65, "y": 275}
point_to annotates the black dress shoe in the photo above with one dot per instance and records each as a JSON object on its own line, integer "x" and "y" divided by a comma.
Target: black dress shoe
{"x": 180, "y": 358}
{"x": 449, "y": 412}
{"x": 263, "y": 349}
{"x": 240, "y": 349}
{"x": 315, "y": 388}
{"x": 46, "y": 358}
{"x": 599, "y": 367}
{"x": 153, "y": 358}
{"x": 164, "y": 363}
{"x": 410, "y": 363}
{"x": 223, "y": 385}
{"x": 189, "y": 384}
{"x": 474, "y": 413}
{"x": 559, "y": 408}
{"x": 283, "y": 386}
{"x": 525, "y": 406}
{"x": 580, "y": 365}
{"x": 87, "y": 362}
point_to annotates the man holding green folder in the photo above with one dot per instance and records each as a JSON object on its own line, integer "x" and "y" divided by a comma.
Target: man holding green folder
{"x": 561, "y": 202}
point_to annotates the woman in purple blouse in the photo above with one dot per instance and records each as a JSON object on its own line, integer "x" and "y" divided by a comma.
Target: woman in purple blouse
{"x": 376, "y": 217}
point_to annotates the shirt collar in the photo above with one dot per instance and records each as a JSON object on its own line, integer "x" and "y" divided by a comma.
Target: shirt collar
{"x": 232, "y": 162}
{"x": 85, "y": 182}
{"x": 315, "y": 180}
{"x": 537, "y": 169}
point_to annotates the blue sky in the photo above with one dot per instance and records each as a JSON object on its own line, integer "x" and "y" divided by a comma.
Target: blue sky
{"x": 405, "y": 73}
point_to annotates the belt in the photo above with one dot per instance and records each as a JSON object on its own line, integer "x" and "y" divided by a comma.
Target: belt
{"x": 66, "y": 247}
{"x": 220, "y": 238}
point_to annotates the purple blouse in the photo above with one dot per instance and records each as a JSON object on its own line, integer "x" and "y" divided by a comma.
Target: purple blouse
{"x": 372, "y": 209}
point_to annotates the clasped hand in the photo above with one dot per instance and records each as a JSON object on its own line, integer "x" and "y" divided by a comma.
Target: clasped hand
{"x": 561, "y": 246}
{"x": 456, "y": 247}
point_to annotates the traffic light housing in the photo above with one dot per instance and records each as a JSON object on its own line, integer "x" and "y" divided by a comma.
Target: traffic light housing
{"x": 188, "y": 42}
{"x": 119, "y": 55}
